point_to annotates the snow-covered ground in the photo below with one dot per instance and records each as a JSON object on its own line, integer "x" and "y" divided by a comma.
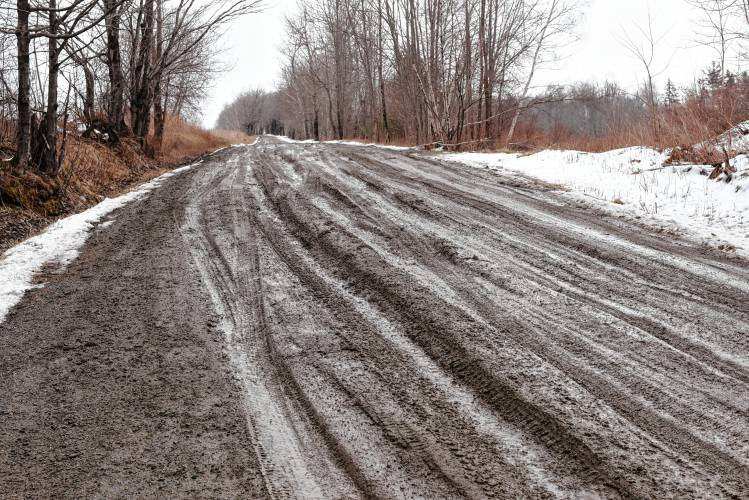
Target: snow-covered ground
{"x": 347, "y": 143}
{"x": 634, "y": 180}
{"x": 735, "y": 139}
{"x": 59, "y": 244}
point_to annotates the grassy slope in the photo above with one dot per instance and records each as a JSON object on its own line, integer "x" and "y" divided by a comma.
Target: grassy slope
{"x": 91, "y": 172}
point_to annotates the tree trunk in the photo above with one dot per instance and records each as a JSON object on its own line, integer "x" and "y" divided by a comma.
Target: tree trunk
{"x": 159, "y": 119}
{"x": 531, "y": 72}
{"x": 116, "y": 104}
{"x": 380, "y": 74}
{"x": 90, "y": 79}
{"x": 48, "y": 149}
{"x": 330, "y": 111}
{"x": 23, "y": 127}
{"x": 142, "y": 99}
{"x": 339, "y": 117}
{"x": 89, "y": 101}
{"x": 316, "y": 124}
{"x": 488, "y": 108}
{"x": 338, "y": 63}
{"x": 467, "y": 97}
{"x": 159, "y": 113}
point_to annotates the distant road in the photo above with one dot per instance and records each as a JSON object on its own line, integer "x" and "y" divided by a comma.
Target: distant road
{"x": 331, "y": 321}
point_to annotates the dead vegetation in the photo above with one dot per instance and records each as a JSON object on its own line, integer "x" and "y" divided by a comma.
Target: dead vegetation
{"x": 93, "y": 170}
{"x": 184, "y": 141}
{"x": 596, "y": 118}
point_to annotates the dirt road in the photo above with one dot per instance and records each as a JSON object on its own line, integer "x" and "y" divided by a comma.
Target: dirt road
{"x": 330, "y": 321}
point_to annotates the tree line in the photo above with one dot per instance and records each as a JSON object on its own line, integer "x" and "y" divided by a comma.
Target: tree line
{"x": 425, "y": 70}
{"x": 116, "y": 66}
{"x": 602, "y": 116}
{"x": 462, "y": 72}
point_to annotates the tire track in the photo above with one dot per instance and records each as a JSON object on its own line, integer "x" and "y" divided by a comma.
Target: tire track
{"x": 270, "y": 183}
{"x": 340, "y": 233}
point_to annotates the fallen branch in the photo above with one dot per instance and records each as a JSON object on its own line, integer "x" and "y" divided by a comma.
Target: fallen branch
{"x": 438, "y": 144}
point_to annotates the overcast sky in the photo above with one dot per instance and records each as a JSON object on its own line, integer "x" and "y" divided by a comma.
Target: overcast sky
{"x": 252, "y": 47}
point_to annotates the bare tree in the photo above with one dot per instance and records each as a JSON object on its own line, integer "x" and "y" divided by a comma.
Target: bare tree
{"x": 429, "y": 70}
{"x": 557, "y": 26}
{"x": 64, "y": 22}
{"x": 717, "y": 28}
{"x": 165, "y": 39}
{"x": 57, "y": 24}
{"x": 23, "y": 123}
{"x": 253, "y": 112}
{"x": 157, "y": 55}
{"x": 116, "y": 103}
{"x": 643, "y": 49}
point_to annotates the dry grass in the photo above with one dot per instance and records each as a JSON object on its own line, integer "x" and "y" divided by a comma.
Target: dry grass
{"x": 668, "y": 130}
{"x": 532, "y": 139}
{"x": 183, "y": 141}
{"x": 233, "y": 136}
{"x": 683, "y": 125}
{"x": 91, "y": 171}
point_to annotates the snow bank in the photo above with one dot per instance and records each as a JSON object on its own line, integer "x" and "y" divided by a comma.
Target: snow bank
{"x": 735, "y": 139}
{"x": 345, "y": 143}
{"x": 59, "y": 244}
{"x": 634, "y": 180}
{"x": 371, "y": 144}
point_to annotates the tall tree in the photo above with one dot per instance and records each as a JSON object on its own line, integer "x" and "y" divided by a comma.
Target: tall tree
{"x": 23, "y": 125}
{"x": 116, "y": 102}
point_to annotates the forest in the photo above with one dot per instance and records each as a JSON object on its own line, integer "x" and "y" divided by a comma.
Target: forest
{"x": 96, "y": 95}
{"x": 111, "y": 68}
{"x": 464, "y": 73}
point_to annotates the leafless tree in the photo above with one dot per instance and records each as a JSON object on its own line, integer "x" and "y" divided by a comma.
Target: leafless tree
{"x": 58, "y": 24}
{"x": 718, "y": 28}
{"x": 166, "y": 38}
{"x": 556, "y": 28}
{"x": 157, "y": 56}
{"x": 423, "y": 69}
{"x": 253, "y": 112}
{"x": 642, "y": 43}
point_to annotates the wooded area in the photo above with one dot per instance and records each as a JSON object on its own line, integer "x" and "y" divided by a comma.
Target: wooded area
{"x": 414, "y": 71}
{"x": 106, "y": 68}
{"x": 464, "y": 72}
{"x": 425, "y": 70}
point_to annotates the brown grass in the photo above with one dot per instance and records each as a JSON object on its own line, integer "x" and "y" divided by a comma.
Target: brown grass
{"x": 91, "y": 171}
{"x": 183, "y": 141}
{"x": 233, "y": 136}
{"x": 682, "y": 125}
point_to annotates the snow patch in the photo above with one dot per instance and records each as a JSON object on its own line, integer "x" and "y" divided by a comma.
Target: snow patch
{"x": 283, "y": 138}
{"x": 242, "y": 144}
{"x": 635, "y": 181}
{"x": 371, "y": 144}
{"x": 60, "y": 243}
{"x": 735, "y": 139}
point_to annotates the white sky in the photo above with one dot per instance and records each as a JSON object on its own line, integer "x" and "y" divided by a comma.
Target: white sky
{"x": 252, "y": 48}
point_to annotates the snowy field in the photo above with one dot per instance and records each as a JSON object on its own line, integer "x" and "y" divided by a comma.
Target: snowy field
{"x": 634, "y": 180}
{"x": 59, "y": 244}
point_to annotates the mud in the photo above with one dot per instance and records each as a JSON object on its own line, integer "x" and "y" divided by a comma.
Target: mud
{"x": 319, "y": 321}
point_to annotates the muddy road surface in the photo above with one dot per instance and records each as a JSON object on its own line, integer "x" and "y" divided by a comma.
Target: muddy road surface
{"x": 294, "y": 320}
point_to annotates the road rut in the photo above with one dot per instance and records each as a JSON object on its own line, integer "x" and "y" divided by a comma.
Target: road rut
{"x": 293, "y": 320}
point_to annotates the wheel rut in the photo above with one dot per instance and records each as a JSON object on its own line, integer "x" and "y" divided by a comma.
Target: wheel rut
{"x": 332, "y": 321}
